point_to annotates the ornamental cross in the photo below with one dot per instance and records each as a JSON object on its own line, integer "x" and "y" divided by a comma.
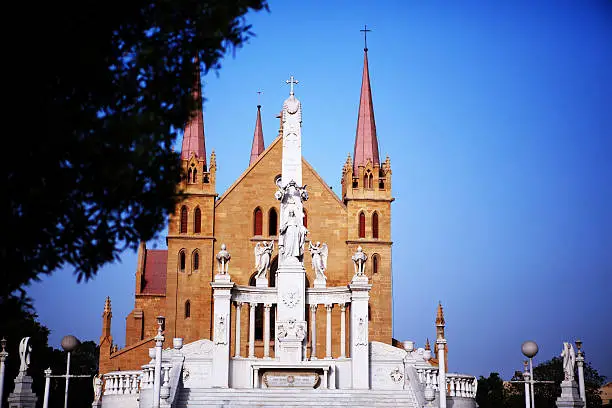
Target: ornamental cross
{"x": 292, "y": 81}
{"x": 365, "y": 32}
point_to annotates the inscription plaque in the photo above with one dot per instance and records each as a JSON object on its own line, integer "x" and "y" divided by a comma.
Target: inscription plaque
{"x": 290, "y": 379}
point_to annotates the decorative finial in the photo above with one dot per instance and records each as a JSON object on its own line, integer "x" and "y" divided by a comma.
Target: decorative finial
{"x": 291, "y": 81}
{"x": 365, "y": 32}
{"x": 427, "y": 346}
{"x": 3, "y": 343}
{"x": 440, "y": 316}
{"x": 259, "y": 99}
{"x": 107, "y": 305}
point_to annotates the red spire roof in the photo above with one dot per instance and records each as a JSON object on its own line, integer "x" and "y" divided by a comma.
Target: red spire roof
{"x": 366, "y": 143}
{"x": 193, "y": 137}
{"x": 258, "y": 140}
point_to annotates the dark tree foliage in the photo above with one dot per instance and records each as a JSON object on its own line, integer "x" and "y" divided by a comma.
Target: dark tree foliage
{"x": 103, "y": 88}
{"x": 490, "y": 393}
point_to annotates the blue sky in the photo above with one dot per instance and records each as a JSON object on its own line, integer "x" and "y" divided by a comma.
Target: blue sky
{"x": 497, "y": 117}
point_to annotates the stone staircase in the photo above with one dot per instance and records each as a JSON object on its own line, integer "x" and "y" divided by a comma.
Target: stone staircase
{"x": 281, "y": 398}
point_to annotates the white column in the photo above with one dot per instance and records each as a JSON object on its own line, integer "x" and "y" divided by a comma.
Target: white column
{"x": 580, "y": 363}
{"x": 159, "y": 343}
{"x": 360, "y": 366}
{"x": 442, "y": 372}
{"x": 328, "y": 333}
{"x": 3, "y": 356}
{"x": 47, "y": 386}
{"x": 527, "y": 397}
{"x": 238, "y": 309}
{"x": 252, "y": 330}
{"x": 67, "y": 381}
{"x": 267, "y": 307}
{"x": 222, "y": 297}
{"x": 313, "y": 332}
{"x": 342, "y": 330}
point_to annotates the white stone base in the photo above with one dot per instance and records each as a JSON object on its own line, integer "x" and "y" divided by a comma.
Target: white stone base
{"x": 22, "y": 396}
{"x": 261, "y": 282}
{"x": 320, "y": 283}
{"x": 570, "y": 396}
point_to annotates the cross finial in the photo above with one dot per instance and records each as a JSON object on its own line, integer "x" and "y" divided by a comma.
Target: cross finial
{"x": 259, "y": 98}
{"x": 365, "y": 32}
{"x": 292, "y": 81}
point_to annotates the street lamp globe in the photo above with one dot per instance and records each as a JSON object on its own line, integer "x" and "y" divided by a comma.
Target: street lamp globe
{"x": 529, "y": 348}
{"x": 69, "y": 343}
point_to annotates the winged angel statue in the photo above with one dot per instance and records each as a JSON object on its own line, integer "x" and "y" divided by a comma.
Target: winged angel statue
{"x": 319, "y": 259}
{"x": 263, "y": 254}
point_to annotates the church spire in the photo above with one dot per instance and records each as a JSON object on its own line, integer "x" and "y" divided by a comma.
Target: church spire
{"x": 258, "y": 141}
{"x": 193, "y": 137}
{"x": 366, "y": 143}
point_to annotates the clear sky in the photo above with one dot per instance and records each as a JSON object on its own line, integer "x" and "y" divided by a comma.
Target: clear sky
{"x": 497, "y": 117}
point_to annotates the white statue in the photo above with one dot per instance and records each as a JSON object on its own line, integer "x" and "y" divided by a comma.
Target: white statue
{"x": 362, "y": 337}
{"x": 569, "y": 361}
{"x": 25, "y": 349}
{"x": 359, "y": 260}
{"x": 223, "y": 258}
{"x": 220, "y": 330}
{"x": 319, "y": 259}
{"x": 263, "y": 254}
{"x": 292, "y": 230}
{"x": 97, "y": 386}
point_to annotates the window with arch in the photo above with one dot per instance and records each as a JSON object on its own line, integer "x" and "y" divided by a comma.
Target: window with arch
{"x": 272, "y": 222}
{"x": 197, "y": 221}
{"x": 195, "y": 175}
{"x": 375, "y": 263}
{"x": 195, "y": 261}
{"x": 182, "y": 260}
{"x": 381, "y": 179}
{"x": 183, "y": 229}
{"x": 258, "y": 222}
{"x": 361, "y": 225}
{"x": 189, "y": 175}
{"x": 187, "y": 309}
{"x": 375, "y": 225}
{"x": 367, "y": 179}
{"x": 305, "y": 219}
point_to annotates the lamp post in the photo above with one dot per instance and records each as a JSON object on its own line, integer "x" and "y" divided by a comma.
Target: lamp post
{"x": 527, "y": 382}
{"x": 69, "y": 344}
{"x": 530, "y": 349}
{"x": 3, "y": 356}
{"x": 580, "y": 364}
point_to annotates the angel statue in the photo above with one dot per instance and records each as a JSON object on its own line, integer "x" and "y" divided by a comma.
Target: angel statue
{"x": 97, "y": 386}
{"x": 25, "y": 349}
{"x": 223, "y": 258}
{"x": 359, "y": 260}
{"x": 569, "y": 361}
{"x": 319, "y": 259}
{"x": 263, "y": 254}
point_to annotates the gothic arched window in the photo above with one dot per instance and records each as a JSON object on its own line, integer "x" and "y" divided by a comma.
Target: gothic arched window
{"x": 195, "y": 176}
{"x": 197, "y": 221}
{"x": 258, "y": 222}
{"x": 375, "y": 225}
{"x": 183, "y": 220}
{"x": 187, "y": 309}
{"x": 375, "y": 263}
{"x": 361, "y": 225}
{"x": 182, "y": 260}
{"x": 195, "y": 261}
{"x": 272, "y": 222}
{"x": 305, "y": 219}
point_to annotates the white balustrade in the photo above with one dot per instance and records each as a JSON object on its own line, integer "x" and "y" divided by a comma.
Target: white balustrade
{"x": 462, "y": 385}
{"x": 122, "y": 382}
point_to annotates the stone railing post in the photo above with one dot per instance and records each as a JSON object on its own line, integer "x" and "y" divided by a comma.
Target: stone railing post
{"x": 360, "y": 367}
{"x": 222, "y": 295}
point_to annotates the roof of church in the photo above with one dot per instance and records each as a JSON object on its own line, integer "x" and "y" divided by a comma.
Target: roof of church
{"x": 258, "y": 140}
{"x": 366, "y": 143}
{"x": 193, "y": 136}
{"x": 154, "y": 279}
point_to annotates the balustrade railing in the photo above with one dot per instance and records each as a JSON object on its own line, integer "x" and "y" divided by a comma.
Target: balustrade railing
{"x": 122, "y": 382}
{"x": 459, "y": 385}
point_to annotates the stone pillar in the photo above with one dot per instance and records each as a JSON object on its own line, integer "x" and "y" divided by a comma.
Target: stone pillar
{"x": 442, "y": 372}
{"x": 3, "y": 356}
{"x": 580, "y": 364}
{"x": 238, "y": 310}
{"x": 328, "y": 332}
{"x": 159, "y": 343}
{"x": 342, "y": 330}
{"x": 313, "y": 332}
{"x": 252, "y": 329}
{"x": 526, "y": 379}
{"x": 267, "y": 307}
{"x": 360, "y": 364}
{"x": 47, "y": 387}
{"x": 222, "y": 296}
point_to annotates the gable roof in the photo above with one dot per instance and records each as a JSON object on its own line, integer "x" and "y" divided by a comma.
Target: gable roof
{"x": 155, "y": 271}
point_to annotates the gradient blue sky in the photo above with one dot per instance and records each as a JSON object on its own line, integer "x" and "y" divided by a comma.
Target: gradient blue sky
{"x": 497, "y": 117}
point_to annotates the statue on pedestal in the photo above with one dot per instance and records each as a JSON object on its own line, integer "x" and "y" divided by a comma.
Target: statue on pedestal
{"x": 292, "y": 230}
{"x": 223, "y": 258}
{"x": 359, "y": 260}
{"x": 263, "y": 254}
{"x": 25, "y": 349}
{"x": 319, "y": 254}
{"x": 569, "y": 361}
{"x": 97, "y": 386}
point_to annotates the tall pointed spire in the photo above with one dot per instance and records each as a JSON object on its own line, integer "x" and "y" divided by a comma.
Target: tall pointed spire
{"x": 193, "y": 137}
{"x": 258, "y": 141}
{"x": 366, "y": 143}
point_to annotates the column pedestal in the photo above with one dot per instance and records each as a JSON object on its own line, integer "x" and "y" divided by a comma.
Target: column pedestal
{"x": 222, "y": 294}
{"x": 570, "y": 396}
{"x": 360, "y": 364}
{"x": 22, "y": 396}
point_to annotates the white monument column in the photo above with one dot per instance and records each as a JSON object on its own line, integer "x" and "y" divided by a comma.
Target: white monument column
{"x": 328, "y": 332}
{"x": 238, "y": 309}
{"x": 360, "y": 295}
{"x": 441, "y": 372}
{"x": 313, "y": 332}
{"x": 580, "y": 364}
{"x": 159, "y": 343}
{"x": 267, "y": 307}
{"x": 222, "y": 295}
{"x": 527, "y": 382}
{"x": 47, "y": 387}
{"x": 290, "y": 276}
{"x": 342, "y": 330}
{"x": 3, "y": 356}
{"x": 252, "y": 308}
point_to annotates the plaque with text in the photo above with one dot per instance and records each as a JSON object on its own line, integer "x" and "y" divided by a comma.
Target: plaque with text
{"x": 282, "y": 379}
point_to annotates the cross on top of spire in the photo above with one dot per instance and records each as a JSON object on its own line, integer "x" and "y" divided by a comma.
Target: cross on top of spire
{"x": 292, "y": 81}
{"x": 365, "y": 32}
